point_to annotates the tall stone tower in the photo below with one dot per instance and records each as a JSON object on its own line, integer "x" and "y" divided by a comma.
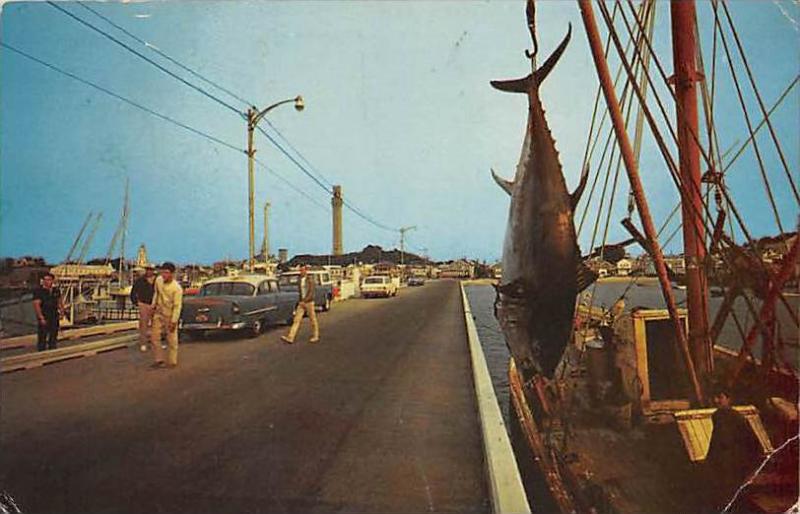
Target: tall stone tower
{"x": 336, "y": 203}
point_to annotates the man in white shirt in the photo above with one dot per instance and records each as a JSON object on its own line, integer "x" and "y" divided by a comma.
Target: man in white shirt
{"x": 167, "y": 302}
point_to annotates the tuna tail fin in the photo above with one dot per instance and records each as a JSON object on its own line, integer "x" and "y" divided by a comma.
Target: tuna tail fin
{"x": 575, "y": 197}
{"x": 523, "y": 85}
{"x": 505, "y": 185}
{"x": 545, "y": 69}
{"x": 586, "y": 276}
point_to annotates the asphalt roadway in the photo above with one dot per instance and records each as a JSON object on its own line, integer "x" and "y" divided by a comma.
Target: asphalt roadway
{"x": 378, "y": 417}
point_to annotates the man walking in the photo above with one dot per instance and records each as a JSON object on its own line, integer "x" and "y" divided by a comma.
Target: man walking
{"x": 49, "y": 308}
{"x": 142, "y": 296}
{"x": 304, "y": 306}
{"x": 167, "y": 302}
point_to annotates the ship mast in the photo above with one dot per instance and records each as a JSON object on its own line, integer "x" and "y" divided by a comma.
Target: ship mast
{"x": 632, "y": 169}
{"x": 124, "y": 226}
{"x": 684, "y": 48}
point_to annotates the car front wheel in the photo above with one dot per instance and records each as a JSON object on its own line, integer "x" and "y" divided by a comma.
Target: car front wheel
{"x": 255, "y": 329}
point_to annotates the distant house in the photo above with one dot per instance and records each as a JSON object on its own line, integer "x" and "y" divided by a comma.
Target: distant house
{"x": 458, "y": 269}
{"x": 27, "y": 261}
{"x": 601, "y": 267}
{"x": 624, "y": 267}
{"x": 676, "y": 263}
{"x": 643, "y": 265}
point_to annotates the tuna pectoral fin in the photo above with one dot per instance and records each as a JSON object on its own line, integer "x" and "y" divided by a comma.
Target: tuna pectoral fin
{"x": 586, "y": 276}
{"x": 512, "y": 86}
{"x": 575, "y": 197}
{"x": 506, "y": 185}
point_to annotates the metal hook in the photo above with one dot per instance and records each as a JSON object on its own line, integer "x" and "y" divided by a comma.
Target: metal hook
{"x": 530, "y": 13}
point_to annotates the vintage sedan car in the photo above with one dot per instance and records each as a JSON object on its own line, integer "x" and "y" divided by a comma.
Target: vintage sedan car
{"x": 323, "y": 292}
{"x": 416, "y": 281}
{"x": 244, "y": 302}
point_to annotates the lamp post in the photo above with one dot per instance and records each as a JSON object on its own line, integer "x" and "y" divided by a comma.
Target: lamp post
{"x": 253, "y": 117}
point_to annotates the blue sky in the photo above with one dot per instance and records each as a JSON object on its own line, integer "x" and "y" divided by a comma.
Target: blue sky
{"x": 398, "y": 111}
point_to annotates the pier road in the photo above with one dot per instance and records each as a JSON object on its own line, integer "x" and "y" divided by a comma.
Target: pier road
{"x": 378, "y": 417}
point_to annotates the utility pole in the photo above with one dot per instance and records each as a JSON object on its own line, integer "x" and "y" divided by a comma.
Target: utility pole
{"x": 403, "y": 231}
{"x": 253, "y": 117}
{"x": 265, "y": 244}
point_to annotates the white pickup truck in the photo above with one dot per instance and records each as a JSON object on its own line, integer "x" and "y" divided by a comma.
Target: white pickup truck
{"x": 379, "y": 285}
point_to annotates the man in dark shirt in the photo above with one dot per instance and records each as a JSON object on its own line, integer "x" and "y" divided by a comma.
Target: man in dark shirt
{"x": 142, "y": 296}
{"x": 734, "y": 450}
{"x": 49, "y": 308}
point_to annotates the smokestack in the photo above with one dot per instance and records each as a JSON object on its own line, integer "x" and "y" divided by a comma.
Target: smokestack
{"x": 336, "y": 203}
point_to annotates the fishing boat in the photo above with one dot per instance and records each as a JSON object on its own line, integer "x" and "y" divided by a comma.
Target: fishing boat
{"x": 624, "y": 422}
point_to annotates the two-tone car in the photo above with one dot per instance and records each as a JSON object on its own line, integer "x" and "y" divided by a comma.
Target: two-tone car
{"x": 244, "y": 302}
{"x": 323, "y": 290}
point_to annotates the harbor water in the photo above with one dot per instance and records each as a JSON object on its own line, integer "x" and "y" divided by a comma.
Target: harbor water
{"x": 638, "y": 293}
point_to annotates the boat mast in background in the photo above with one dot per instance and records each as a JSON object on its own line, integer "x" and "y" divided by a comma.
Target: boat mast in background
{"x": 684, "y": 47}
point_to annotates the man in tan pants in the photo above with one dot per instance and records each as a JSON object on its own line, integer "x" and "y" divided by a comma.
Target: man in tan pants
{"x": 304, "y": 306}
{"x": 142, "y": 296}
{"x": 167, "y": 302}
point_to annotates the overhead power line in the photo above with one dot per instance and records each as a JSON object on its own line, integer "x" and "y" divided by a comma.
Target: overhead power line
{"x": 164, "y": 55}
{"x": 121, "y": 98}
{"x": 157, "y": 115}
{"x": 320, "y": 181}
{"x": 144, "y": 57}
{"x": 295, "y": 161}
{"x": 325, "y": 188}
{"x": 299, "y": 154}
{"x": 371, "y": 220}
{"x": 198, "y": 75}
{"x": 294, "y": 187}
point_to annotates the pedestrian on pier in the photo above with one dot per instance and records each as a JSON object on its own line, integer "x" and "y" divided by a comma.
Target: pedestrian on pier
{"x": 305, "y": 305}
{"x": 49, "y": 308}
{"x": 167, "y": 302}
{"x": 142, "y": 294}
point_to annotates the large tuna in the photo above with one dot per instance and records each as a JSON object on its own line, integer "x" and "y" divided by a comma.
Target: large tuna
{"x": 541, "y": 259}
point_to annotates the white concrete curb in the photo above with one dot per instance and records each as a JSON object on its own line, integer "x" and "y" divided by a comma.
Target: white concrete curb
{"x": 505, "y": 484}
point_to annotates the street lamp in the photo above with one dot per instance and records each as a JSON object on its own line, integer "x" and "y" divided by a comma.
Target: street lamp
{"x": 253, "y": 117}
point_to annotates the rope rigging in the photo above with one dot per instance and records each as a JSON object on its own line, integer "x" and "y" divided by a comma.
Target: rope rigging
{"x": 720, "y": 191}
{"x": 758, "y": 263}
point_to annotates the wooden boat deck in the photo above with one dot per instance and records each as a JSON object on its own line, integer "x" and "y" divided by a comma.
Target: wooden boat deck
{"x": 609, "y": 465}
{"x": 642, "y": 466}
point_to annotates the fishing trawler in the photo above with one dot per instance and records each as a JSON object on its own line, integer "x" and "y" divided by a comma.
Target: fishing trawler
{"x": 612, "y": 407}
